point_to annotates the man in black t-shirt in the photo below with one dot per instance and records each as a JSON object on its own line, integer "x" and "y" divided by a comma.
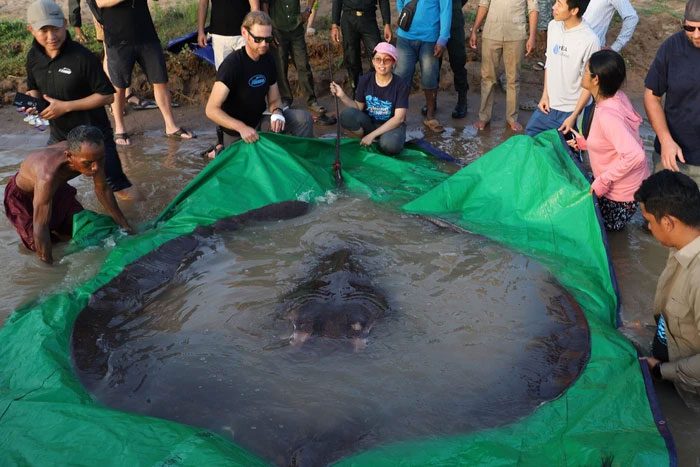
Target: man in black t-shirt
{"x": 224, "y": 25}
{"x": 245, "y": 79}
{"x": 70, "y": 78}
{"x": 130, "y": 37}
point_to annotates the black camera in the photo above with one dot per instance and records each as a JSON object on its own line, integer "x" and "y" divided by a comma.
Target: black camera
{"x": 27, "y": 101}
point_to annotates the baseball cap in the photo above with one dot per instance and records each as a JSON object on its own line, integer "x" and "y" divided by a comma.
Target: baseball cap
{"x": 692, "y": 10}
{"x": 45, "y": 13}
{"x": 386, "y": 48}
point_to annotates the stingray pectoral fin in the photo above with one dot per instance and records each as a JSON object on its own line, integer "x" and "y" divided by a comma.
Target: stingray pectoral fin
{"x": 299, "y": 337}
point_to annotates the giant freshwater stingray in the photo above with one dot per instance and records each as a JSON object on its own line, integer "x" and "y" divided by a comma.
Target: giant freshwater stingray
{"x": 126, "y": 371}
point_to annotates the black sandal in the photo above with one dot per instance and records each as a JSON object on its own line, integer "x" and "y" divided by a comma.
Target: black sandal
{"x": 140, "y": 104}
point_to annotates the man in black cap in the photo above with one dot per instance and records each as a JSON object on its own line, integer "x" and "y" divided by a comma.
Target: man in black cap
{"x": 357, "y": 21}
{"x": 677, "y": 121}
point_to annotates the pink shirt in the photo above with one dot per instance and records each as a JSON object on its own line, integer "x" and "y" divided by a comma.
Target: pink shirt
{"x": 615, "y": 149}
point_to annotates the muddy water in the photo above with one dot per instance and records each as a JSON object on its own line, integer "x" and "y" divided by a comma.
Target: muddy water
{"x": 221, "y": 328}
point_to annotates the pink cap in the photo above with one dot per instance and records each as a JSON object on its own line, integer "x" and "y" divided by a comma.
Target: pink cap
{"x": 386, "y": 48}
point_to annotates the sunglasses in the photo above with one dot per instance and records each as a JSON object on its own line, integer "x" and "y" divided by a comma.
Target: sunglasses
{"x": 383, "y": 61}
{"x": 258, "y": 40}
{"x": 689, "y": 28}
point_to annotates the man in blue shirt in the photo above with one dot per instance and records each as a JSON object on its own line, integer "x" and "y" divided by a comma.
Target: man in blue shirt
{"x": 424, "y": 42}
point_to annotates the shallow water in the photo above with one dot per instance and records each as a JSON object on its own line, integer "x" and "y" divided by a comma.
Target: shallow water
{"x": 161, "y": 168}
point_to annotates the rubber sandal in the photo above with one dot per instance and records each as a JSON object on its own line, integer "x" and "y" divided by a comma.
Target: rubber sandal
{"x": 212, "y": 151}
{"x": 434, "y": 125}
{"x": 539, "y": 66}
{"x": 180, "y": 134}
{"x": 124, "y": 137}
{"x": 140, "y": 104}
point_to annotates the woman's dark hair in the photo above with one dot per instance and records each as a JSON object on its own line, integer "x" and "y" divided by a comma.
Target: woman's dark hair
{"x": 671, "y": 193}
{"x": 609, "y": 67}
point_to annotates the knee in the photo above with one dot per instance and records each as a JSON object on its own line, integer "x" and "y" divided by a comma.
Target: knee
{"x": 391, "y": 144}
{"x": 350, "y": 119}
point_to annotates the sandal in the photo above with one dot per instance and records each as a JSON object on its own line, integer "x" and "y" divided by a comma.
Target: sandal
{"x": 433, "y": 125}
{"x": 122, "y": 137}
{"x": 529, "y": 105}
{"x": 181, "y": 133}
{"x": 212, "y": 151}
{"x": 136, "y": 103}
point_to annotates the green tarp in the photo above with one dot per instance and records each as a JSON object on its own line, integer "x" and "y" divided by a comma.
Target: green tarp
{"x": 526, "y": 194}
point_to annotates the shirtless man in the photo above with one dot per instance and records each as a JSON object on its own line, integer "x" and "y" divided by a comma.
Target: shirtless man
{"x": 40, "y": 203}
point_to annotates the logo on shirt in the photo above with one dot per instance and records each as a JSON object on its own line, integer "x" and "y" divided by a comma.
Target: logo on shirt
{"x": 257, "y": 81}
{"x": 560, "y": 50}
{"x": 378, "y": 109}
{"x": 65, "y": 70}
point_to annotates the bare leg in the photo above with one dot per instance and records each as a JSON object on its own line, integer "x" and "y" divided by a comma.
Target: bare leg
{"x": 162, "y": 95}
{"x": 118, "y": 114}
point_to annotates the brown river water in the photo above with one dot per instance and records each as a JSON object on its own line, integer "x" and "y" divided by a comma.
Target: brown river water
{"x": 211, "y": 350}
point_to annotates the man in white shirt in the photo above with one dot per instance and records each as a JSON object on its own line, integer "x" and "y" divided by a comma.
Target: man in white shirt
{"x": 599, "y": 14}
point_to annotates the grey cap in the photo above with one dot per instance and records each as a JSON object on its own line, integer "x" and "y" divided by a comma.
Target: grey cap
{"x": 692, "y": 10}
{"x": 45, "y": 13}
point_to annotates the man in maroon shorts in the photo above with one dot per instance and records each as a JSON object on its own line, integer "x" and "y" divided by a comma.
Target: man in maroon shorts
{"x": 40, "y": 203}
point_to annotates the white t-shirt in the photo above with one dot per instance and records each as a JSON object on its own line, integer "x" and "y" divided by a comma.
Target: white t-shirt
{"x": 568, "y": 50}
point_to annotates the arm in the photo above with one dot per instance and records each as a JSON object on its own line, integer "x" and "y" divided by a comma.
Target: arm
{"x": 532, "y": 37}
{"x": 57, "y": 107}
{"x": 629, "y": 23}
{"x": 445, "y": 25}
{"x": 42, "y": 215}
{"x": 669, "y": 148}
{"x": 570, "y": 121}
{"x": 254, "y": 5}
{"x": 108, "y": 3}
{"x": 216, "y": 114}
{"x": 74, "y": 17}
{"x": 274, "y": 100}
{"x": 385, "y": 11}
{"x": 337, "y": 90}
{"x": 202, "y": 10}
{"x": 480, "y": 17}
{"x": 106, "y": 198}
{"x": 543, "y": 105}
{"x": 687, "y": 370}
{"x": 335, "y": 20}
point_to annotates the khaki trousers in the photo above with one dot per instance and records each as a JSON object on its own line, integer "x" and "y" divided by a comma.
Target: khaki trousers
{"x": 512, "y": 53}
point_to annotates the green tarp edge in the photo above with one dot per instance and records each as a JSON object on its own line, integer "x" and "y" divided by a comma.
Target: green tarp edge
{"x": 46, "y": 417}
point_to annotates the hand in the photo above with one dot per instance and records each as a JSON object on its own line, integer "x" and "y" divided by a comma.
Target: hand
{"x": 249, "y": 135}
{"x": 277, "y": 124}
{"x": 472, "y": 39}
{"x": 590, "y": 190}
{"x": 367, "y": 140}
{"x": 79, "y": 36}
{"x": 651, "y": 362}
{"x": 670, "y": 151}
{"x": 568, "y": 124}
{"x": 201, "y": 39}
{"x": 543, "y": 105}
{"x": 437, "y": 51}
{"x": 28, "y": 110}
{"x": 530, "y": 45}
{"x": 55, "y": 109}
{"x": 337, "y": 90}
{"x": 335, "y": 33}
{"x": 387, "y": 33}
{"x": 573, "y": 142}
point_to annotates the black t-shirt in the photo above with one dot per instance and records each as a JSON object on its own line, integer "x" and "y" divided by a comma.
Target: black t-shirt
{"x": 248, "y": 82}
{"x": 128, "y": 22}
{"x": 675, "y": 72}
{"x": 381, "y": 102}
{"x": 75, "y": 73}
{"x": 227, "y": 16}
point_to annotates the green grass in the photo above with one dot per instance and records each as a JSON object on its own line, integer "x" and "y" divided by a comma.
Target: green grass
{"x": 16, "y": 40}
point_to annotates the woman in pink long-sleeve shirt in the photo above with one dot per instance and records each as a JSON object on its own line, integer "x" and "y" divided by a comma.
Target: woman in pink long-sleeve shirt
{"x": 614, "y": 146}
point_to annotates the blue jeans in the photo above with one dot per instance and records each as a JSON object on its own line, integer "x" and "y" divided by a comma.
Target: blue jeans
{"x": 390, "y": 142}
{"x": 540, "y": 121}
{"x": 411, "y": 52}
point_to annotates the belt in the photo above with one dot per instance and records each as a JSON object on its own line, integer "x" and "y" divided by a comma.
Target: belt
{"x": 358, "y": 12}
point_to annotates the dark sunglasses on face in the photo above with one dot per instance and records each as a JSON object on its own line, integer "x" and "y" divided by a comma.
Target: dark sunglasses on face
{"x": 689, "y": 28}
{"x": 258, "y": 40}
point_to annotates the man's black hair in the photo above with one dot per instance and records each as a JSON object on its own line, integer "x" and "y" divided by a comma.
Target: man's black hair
{"x": 609, "y": 67}
{"x": 84, "y": 134}
{"x": 668, "y": 193}
{"x": 580, "y": 4}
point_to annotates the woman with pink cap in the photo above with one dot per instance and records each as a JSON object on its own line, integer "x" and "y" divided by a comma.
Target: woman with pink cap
{"x": 380, "y": 105}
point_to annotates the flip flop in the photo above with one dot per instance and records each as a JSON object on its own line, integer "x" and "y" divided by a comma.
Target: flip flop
{"x": 434, "y": 125}
{"x": 124, "y": 137}
{"x": 180, "y": 134}
{"x": 212, "y": 151}
{"x": 140, "y": 104}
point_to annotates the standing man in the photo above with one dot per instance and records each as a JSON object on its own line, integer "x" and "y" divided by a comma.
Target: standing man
{"x": 508, "y": 35}
{"x": 246, "y": 79}
{"x": 289, "y": 29}
{"x": 599, "y": 14}
{"x": 224, "y": 25}
{"x": 424, "y": 43}
{"x": 39, "y": 202}
{"x": 357, "y": 21}
{"x": 570, "y": 43}
{"x": 70, "y": 78}
{"x": 131, "y": 37}
{"x": 670, "y": 203}
{"x": 675, "y": 74}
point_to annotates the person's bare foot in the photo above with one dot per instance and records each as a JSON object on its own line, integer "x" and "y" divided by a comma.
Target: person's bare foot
{"x": 480, "y": 125}
{"x": 129, "y": 194}
{"x": 515, "y": 126}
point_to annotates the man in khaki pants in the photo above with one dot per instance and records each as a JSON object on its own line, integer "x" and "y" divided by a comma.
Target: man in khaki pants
{"x": 506, "y": 34}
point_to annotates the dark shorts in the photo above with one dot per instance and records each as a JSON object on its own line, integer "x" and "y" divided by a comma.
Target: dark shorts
{"x": 121, "y": 59}
{"x": 19, "y": 209}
